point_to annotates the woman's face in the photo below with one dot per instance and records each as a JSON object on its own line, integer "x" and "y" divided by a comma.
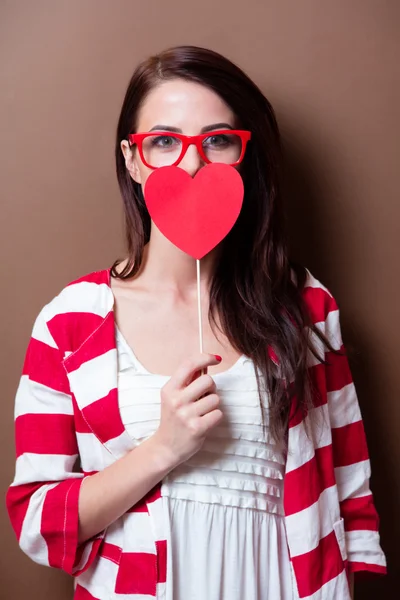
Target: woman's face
{"x": 187, "y": 106}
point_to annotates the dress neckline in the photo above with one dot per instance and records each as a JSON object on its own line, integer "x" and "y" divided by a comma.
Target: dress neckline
{"x": 142, "y": 369}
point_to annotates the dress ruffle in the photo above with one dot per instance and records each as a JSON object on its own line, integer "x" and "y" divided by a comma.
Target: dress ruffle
{"x": 224, "y": 506}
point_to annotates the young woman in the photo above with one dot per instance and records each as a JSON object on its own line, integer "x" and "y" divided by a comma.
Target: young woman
{"x": 146, "y": 478}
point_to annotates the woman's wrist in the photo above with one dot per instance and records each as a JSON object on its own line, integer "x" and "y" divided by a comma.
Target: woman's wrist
{"x": 160, "y": 455}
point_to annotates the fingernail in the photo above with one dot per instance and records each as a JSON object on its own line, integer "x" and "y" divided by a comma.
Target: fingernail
{"x": 219, "y": 358}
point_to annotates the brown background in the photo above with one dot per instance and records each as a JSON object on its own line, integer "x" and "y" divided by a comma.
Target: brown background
{"x": 330, "y": 70}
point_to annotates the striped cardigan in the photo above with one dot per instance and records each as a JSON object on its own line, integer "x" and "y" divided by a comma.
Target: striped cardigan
{"x": 68, "y": 426}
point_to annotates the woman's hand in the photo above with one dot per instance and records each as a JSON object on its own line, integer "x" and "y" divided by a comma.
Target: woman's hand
{"x": 189, "y": 409}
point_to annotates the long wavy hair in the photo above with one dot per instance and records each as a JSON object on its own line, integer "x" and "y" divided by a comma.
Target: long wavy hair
{"x": 256, "y": 291}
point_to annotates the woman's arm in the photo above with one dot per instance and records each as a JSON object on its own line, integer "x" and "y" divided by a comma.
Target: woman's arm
{"x": 107, "y": 495}
{"x": 188, "y": 411}
{"x": 52, "y": 508}
{"x": 42, "y": 500}
{"x": 350, "y": 455}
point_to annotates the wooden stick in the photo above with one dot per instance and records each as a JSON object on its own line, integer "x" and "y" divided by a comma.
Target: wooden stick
{"x": 204, "y": 371}
{"x": 199, "y": 306}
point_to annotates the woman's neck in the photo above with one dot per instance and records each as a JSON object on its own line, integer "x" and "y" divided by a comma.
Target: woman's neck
{"x": 166, "y": 267}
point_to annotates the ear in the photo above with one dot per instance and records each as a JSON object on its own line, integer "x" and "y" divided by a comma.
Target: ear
{"x": 131, "y": 161}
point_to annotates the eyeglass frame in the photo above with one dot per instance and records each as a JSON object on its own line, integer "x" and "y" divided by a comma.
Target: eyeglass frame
{"x": 188, "y": 140}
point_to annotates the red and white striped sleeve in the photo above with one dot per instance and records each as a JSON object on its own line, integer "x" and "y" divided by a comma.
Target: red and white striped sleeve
{"x": 350, "y": 451}
{"x": 42, "y": 501}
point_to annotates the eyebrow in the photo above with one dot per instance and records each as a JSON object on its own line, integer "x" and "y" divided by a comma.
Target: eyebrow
{"x": 204, "y": 129}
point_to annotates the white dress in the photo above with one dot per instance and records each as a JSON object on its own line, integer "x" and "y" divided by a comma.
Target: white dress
{"x": 223, "y": 507}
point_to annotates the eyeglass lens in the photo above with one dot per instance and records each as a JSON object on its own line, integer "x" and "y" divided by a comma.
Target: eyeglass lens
{"x": 165, "y": 150}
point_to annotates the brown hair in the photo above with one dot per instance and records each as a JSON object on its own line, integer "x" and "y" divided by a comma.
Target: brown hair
{"x": 256, "y": 291}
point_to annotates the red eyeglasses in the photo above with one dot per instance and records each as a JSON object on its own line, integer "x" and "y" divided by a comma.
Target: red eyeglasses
{"x": 161, "y": 148}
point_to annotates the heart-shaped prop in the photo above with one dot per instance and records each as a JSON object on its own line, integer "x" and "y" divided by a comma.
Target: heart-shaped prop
{"x": 195, "y": 214}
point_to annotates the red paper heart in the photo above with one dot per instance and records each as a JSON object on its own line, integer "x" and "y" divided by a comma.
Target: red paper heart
{"x": 196, "y": 213}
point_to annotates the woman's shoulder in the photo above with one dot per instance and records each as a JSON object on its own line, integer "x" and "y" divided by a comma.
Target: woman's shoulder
{"x": 321, "y": 308}
{"x": 79, "y": 307}
{"x": 317, "y": 297}
{"x": 85, "y": 292}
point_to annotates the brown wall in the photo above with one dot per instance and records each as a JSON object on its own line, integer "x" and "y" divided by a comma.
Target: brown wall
{"x": 329, "y": 69}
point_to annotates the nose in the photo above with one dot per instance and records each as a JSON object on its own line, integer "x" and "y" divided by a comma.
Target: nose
{"x": 192, "y": 161}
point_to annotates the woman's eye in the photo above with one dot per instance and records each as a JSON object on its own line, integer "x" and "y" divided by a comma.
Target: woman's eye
{"x": 216, "y": 140}
{"x": 163, "y": 141}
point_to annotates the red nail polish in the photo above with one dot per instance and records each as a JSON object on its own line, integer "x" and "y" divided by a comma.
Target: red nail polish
{"x": 219, "y": 358}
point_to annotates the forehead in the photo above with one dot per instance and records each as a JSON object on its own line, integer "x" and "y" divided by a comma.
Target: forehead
{"x": 184, "y": 104}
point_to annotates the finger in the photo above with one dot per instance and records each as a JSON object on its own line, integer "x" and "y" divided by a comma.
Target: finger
{"x": 201, "y": 386}
{"x": 210, "y": 419}
{"x": 196, "y": 375}
{"x": 186, "y": 371}
{"x": 205, "y": 405}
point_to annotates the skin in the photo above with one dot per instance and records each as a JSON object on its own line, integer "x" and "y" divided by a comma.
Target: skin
{"x": 189, "y": 403}
{"x": 147, "y": 324}
{"x": 189, "y": 400}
